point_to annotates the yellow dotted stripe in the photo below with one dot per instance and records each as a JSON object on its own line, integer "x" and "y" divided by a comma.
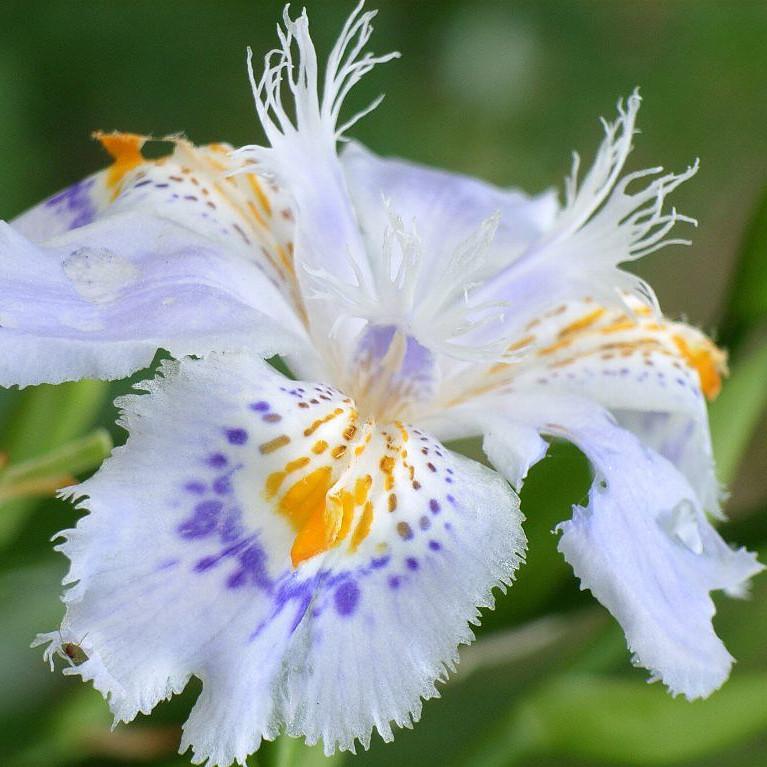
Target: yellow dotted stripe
{"x": 331, "y": 503}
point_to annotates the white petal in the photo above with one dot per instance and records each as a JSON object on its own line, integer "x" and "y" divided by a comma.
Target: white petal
{"x": 302, "y": 149}
{"x": 432, "y": 237}
{"x": 684, "y": 441}
{"x": 652, "y": 374}
{"x": 446, "y": 208}
{"x": 158, "y": 254}
{"x": 513, "y": 448}
{"x": 104, "y": 298}
{"x": 645, "y": 549}
{"x": 202, "y": 555}
{"x": 643, "y": 545}
{"x": 601, "y": 227}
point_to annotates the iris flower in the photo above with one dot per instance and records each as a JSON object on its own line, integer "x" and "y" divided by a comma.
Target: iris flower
{"x": 307, "y": 546}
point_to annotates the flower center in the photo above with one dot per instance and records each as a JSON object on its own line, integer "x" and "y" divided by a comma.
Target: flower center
{"x": 330, "y": 482}
{"x": 391, "y": 371}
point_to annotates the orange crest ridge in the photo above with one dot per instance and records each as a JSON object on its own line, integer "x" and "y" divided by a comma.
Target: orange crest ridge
{"x": 709, "y": 360}
{"x": 125, "y": 149}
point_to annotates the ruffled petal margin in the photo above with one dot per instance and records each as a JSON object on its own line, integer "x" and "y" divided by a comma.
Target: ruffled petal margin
{"x": 147, "y": 254}
{"x": 646, "y": 550}
{"x": 315, "y": 571}
{"x": 642, "y": 545}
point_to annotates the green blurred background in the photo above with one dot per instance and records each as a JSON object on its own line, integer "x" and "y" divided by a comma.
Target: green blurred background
{"x": 503, "y": 90}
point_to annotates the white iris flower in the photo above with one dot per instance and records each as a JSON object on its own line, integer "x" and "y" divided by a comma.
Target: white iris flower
{"x": 308, "y": 548}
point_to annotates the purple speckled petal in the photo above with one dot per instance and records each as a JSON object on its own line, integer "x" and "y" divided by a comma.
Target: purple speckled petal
{"x": 233, "y": 607}
{"x": 98, "y": 277}
{"x": 75, "y": 206}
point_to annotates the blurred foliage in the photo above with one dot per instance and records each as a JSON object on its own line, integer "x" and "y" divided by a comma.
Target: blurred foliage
{"x": 42, "y": 419}
{"x": 736, "y": 412}
{"x": 747, "y": 304}
{"x": 501, "y": 89}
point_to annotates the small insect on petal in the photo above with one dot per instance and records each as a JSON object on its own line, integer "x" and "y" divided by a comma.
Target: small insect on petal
{"x": 73, "y": 653}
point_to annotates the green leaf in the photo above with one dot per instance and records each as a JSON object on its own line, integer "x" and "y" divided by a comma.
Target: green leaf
{"x": 43, "y": 474}
{"x": 43, "y": 418}
{"x": 292, "y": 752}
{"x": 76, "y": 723}
{"x": 742, "y": 623}
{"x": 616, "y": 720}
{"x": 492, "y": 673}
{"x": 551, "y": 488}
{"x": 736, "y": 413}
{"x": 747, "y": 301}
{"x": 29, "y": 603}
{"x": 585, "y": 714}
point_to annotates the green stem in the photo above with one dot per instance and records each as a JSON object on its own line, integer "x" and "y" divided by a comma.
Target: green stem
{"x": 736, "y": 414}
{"x": 44, "y": 474}
{"x": 44, "y": 418}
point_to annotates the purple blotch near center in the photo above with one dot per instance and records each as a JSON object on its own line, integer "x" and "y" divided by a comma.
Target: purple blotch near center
{"x": 76, "y": 201}
{"x": 217, "y": 460}
{"x": 260, "y": 407}
{"x": 346, "y": 597}
{"x": 417, "y": 363}
{"x": 252, "y": 569}
{"x": 237, "y": 436}
{"x": 231, "y": 528}
{"x": 222, "y": 485}
{"x": 203, "y": 521}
